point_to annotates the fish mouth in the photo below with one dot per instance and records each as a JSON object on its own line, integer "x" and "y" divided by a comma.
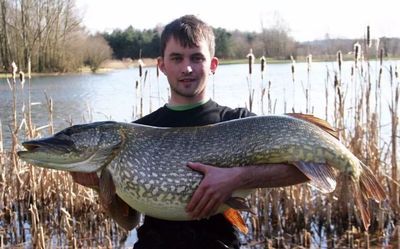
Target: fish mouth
{"x": 54, "y": 153}
{"x": 45, "y": 145}
{"x": 30, "y": 147}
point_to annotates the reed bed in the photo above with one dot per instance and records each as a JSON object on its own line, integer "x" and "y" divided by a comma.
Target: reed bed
{"x": 45, "y": 209}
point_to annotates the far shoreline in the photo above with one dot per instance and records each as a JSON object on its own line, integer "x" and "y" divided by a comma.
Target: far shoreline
{"x": 114, "y": 64}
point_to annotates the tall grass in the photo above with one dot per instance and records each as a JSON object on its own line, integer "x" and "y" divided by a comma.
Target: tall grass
{"x": 286, "y": 217}
{"x": 43, "y": 208}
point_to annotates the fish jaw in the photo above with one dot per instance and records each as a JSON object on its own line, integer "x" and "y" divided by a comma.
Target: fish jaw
{"x": 80, "y": 148}
{"x": 56, "y": 154}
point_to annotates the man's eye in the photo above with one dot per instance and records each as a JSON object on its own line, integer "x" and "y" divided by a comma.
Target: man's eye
{"x": 198, "y": 58}
{"x": 176, "y": 58}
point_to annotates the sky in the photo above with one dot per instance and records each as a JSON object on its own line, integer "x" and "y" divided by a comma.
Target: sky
{"x": 306, "y": 19}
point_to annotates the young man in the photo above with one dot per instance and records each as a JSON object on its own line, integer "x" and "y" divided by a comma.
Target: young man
{"x": 187, "y": 59}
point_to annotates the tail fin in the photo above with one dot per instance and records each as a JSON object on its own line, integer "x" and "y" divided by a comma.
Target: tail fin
{"x": 361, "y": 203}
{"x": 370, "y": 185}
{"x": 366, "y": 188}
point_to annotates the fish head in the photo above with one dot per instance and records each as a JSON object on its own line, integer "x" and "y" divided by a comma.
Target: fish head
{"x": 79, "y": 148}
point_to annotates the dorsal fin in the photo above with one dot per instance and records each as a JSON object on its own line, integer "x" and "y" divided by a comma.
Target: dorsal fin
{"x": 324, "y": 125}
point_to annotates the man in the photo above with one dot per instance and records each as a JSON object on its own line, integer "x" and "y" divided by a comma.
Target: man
{"x": 187, "y": 59}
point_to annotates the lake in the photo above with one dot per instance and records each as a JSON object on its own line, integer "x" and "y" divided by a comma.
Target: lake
{"x": 80, "y": 98}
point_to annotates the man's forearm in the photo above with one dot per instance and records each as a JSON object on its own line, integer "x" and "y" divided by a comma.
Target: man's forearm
{"x": 270, "y": 176}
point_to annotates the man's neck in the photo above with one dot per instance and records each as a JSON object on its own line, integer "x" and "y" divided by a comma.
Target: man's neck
{"x": 177, "y": 100}
{"x": 187, "y": 105}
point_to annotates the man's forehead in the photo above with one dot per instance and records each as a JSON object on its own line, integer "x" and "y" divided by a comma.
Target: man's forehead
{"x": 178, "y": 42}
{"x": 175, "y": 46}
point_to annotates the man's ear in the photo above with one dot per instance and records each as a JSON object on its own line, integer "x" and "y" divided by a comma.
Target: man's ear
{"x": 160, "y": 64}
{"x": 214, "y": 64}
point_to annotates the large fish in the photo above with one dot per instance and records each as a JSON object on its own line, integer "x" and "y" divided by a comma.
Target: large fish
{"x": 148, "y": 164}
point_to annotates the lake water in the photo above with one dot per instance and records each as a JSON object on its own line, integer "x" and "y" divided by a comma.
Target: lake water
{"x": 83, "y": 98}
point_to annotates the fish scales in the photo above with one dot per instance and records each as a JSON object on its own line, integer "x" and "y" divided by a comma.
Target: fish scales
{"x": 250, "y": 142}
{"x": 148, "y": 164}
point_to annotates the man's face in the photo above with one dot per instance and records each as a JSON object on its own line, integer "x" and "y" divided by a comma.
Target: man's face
{"x": 187, "y": 70}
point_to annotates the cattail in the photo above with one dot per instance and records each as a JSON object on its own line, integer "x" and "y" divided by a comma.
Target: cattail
{"x": 357, "y": 53}
{"x": 250, "y": 57}
{"x": 380, "y": 66}
{"x": 368, "y": 37}
{"x": 335, "y": 81}
{"x": 22, "y": 78}
{"x": 141, "y": 65}
{"x": 14, "y": 70}
{"x": 263, "y": 62}
{"x": 309, "y": 62}
{"x": 292, "y": 67}
{"x": 293, "y": 62}
{"x": 339, "y": 60}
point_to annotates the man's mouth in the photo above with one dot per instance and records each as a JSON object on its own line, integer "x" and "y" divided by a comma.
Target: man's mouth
{"x": 187, "y": 80}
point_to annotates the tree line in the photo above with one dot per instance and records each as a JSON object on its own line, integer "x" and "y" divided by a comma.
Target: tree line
{"x": 274, "y": 42}
{"x": 133, "y": 43}
{"x": 49, "y": 36}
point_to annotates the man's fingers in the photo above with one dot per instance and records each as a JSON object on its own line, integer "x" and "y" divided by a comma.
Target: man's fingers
{"x": 197, "y": 212}
{"x": 194, "y": 200}
{"x": 198, "y": 167}
{"x": 210, "y": 209}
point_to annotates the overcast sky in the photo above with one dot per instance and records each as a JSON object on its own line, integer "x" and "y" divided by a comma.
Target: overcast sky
{"x": 307, "y": 19}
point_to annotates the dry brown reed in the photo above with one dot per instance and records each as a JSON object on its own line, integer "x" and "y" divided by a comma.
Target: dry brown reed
{"x": 44, "y": 208}
{"x": 300, "y": 215}
{"x": 250, "y": 56}
{"x": 292, "y": 67}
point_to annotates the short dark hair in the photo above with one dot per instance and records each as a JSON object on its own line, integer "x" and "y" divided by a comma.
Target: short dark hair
{"x": 189, "y": 31}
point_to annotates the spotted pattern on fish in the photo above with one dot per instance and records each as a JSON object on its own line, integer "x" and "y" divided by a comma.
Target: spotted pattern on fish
{"x": 148, "y": 164}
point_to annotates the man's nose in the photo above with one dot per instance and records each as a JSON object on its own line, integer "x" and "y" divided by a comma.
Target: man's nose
{"x": 187, "y": 68}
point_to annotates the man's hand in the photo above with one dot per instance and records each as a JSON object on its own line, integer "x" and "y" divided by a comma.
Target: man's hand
{"x": 216, "y": 187}
{"x": 218, "y": 184}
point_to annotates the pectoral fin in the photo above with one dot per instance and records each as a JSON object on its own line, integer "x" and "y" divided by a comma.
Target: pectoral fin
{"x": 238, "y": 203}
{"x": 107, "y": 188}
{"x": 115, "y": 207}
{"x": 236, "y": 219}
{"x": 321, "y": 175}
{"x": 123, "y": 214}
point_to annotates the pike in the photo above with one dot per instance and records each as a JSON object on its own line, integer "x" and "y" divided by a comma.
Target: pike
{"x": 147, "y": 165}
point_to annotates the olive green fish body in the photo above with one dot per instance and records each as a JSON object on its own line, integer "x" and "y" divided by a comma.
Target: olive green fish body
{"x": 148, "y": 164}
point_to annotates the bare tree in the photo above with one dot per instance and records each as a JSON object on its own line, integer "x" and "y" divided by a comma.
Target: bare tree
{"x": 46, "y": 32}
{"x": 4, "y": 43}
{"x": 96, "y": 52}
